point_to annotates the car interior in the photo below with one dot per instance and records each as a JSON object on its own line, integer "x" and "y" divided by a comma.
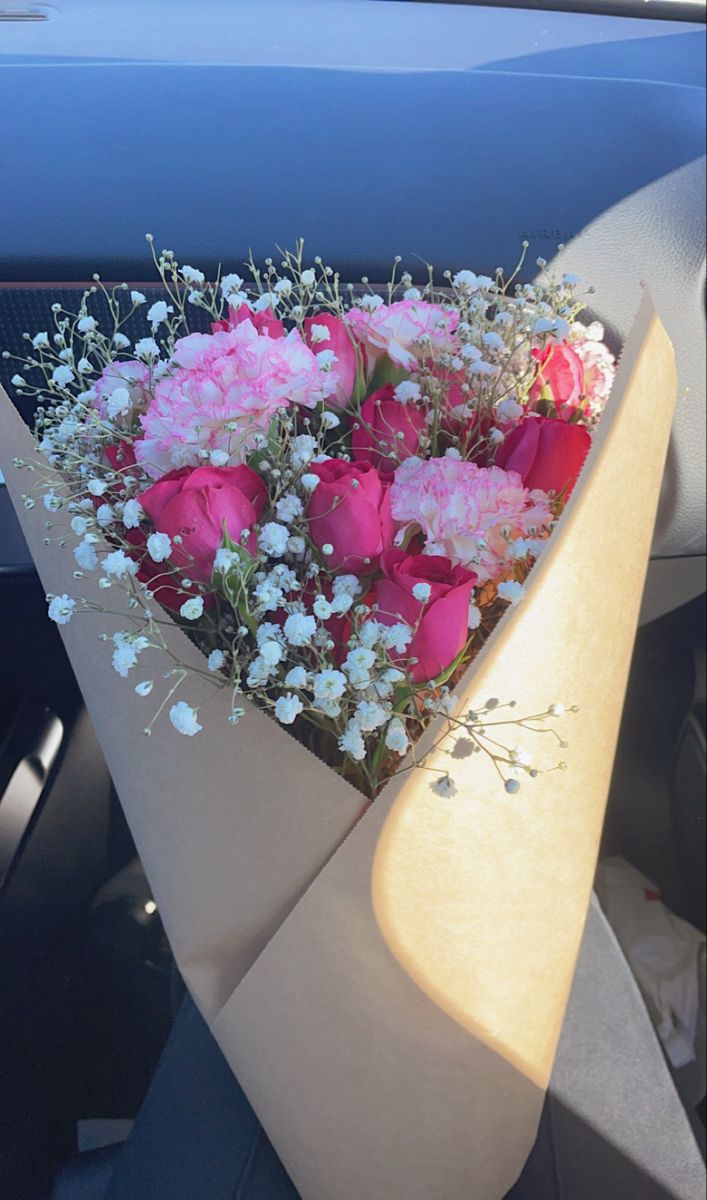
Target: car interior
{"x": 229, "y": 128}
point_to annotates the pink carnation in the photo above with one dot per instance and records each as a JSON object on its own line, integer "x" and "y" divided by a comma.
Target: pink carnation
{"x": 599, "y": 367}
{"x": 404, "y": 330}
{"x": 223, "y": 392}
{"x": 129, "y": 374}
{"x": 467, "y": 513}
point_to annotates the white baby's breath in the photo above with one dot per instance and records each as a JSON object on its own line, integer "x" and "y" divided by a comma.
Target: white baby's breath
{"x": 118, "y": 403}
{"x": 63, "y": 376}
{"x": 183, "y": 718}
{"x": 159, "y": 547}
{"x": 352, "y": 743}
{"x": 86, "y": 556}
{"x": 192, "y": 609}
{"x": 159, "y": 312}
{"x": 299, "y": 629}
{"x": 105, "y": 515}
{"x": 511, "y": 591}
{"x": 119, "y": 564}
{"x": 127, "y": 647}
{"x": 272, "y": 538}
{"x": 396, "y": 738}
{"x": 147, "y": 349}
{"x": 132, "y": 514}
{"x": 288, "y": 708}
{"x": 61, "y": 609}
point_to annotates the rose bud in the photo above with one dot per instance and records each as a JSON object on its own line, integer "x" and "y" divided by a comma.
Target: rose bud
{"x": 442, "y": 619}
{"x": 196, "y": 503}
{"x": 547, "y": 454}
{"x": 387, "y": 431}
{"x": 328, "y": 332}
{"x": 349, "y": 515}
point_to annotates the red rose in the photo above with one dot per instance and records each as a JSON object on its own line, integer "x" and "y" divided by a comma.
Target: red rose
{"x": 443, "y": 618}
{"x": 561, "y": 373}
{"x": 467, "y": 425}
{"x": 462, "y": 423}
{"x": 121, "y": 456}
{"x": 161, "y": 578}
{"x": 343, "y": 344}
{"x": 264, "y": 322}
{"x": 546, "y": 453}
{"x": 349, "y": 510}
{"x": 377, "y": 437}
{"x": 196, "y": 503}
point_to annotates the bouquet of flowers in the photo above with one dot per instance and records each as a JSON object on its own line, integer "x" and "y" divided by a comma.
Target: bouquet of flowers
{"x": 315, "y": 512}
{"x": 336, "y": 491}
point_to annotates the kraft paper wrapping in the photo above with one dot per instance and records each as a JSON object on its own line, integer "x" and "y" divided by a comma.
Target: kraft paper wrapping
{"x": 389, "y": 982}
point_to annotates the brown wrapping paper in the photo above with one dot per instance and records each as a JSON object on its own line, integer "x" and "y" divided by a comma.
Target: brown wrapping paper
{"x": 390, "y": 990}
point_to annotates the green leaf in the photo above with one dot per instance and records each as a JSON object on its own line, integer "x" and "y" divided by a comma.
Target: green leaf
{"x": 410, "y": 533}
{"x": 234, "y": 581}
{"x": 270, "y": 448}
{"x": 361, "y": 384}
{"x": 387, "y": 372}
{"x": 449, "y": 671}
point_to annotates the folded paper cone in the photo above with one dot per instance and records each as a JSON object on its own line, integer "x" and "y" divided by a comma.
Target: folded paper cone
{"x": 390, "y": 989}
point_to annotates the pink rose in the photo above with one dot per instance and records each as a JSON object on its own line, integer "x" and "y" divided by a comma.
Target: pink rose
{"x": 576, "y": 377}
{"x": 349, "y": 511}
{"x": 264, "y": 321}
{"x": 441, "y": 621}
{"x": 197, "y": 504}
{"x": 560, "y": 372}
{"x": 404, "y": 331}
{"x": 546, "y": 453}
{"x": 340, "y": 341}
{"x": 388, "y": 431}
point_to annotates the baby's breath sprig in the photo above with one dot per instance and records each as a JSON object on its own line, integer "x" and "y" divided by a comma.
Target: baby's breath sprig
{"x": 481, "y": 731}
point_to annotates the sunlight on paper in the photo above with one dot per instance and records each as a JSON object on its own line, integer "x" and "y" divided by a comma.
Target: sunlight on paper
{"x": 482, "y": 898}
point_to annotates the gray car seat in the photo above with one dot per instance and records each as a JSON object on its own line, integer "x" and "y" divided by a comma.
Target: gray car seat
{"x": 613, "y": 1126}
